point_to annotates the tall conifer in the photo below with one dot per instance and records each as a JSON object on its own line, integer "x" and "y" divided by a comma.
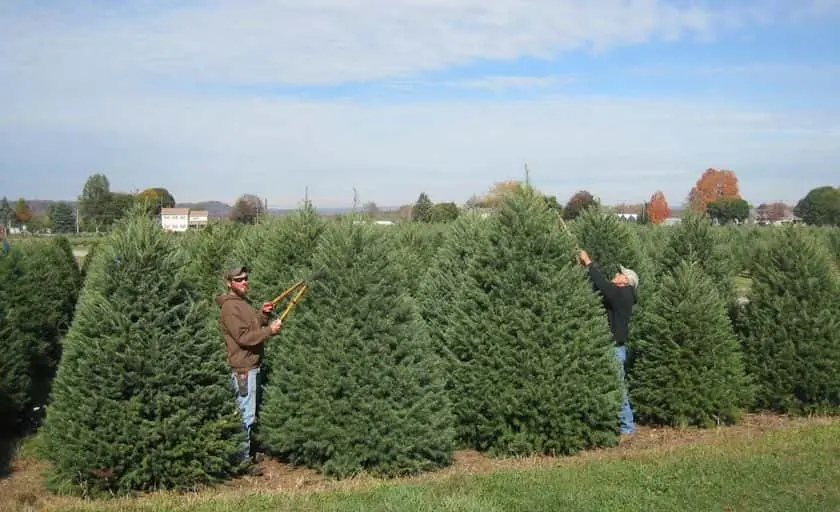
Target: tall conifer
{"x": 530, "y": 359}
{"x": 355, "y": 385}
{"x": 142, "y": 399}
{"x": 790, "y": 326}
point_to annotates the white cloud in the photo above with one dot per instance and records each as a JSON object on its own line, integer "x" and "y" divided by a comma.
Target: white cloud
{"x": 329, "y": 41}
{"x": 89, "y": 89}
{"x": 622, "y": 150}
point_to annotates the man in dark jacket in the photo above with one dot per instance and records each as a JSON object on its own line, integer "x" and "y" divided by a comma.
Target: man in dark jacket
{"x": 245, "y": 331}
{"x": 619, "y": 295}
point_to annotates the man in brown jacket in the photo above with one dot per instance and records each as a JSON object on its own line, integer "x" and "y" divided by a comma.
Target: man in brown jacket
{"x": 245, "y": 331}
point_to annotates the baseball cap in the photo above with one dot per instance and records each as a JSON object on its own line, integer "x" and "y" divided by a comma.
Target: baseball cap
{"x": 631, "y": 275}
{"x": 234, "y": 271}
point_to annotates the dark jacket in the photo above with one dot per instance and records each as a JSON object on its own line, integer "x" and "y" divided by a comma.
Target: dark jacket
{"x": 245, "y": 330}
{"x": 618, "y": 301}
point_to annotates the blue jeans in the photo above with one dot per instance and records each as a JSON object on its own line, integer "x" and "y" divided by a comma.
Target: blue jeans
{"x": 626, "y": 416}
{"x": 247, "y": 407}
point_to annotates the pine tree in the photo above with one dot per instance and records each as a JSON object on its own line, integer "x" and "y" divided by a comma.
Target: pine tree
{"x": 790, "y": 326}
{"x": 687, "y": 366}
{"x": 414, "y": 246}
{"x": 529, "y": 353}
{"x": 49, "y": 283}
{"x": 609, "y": 241}
{"x": 284, "y": 256}
{"x": 18, "y": 350}
{"x": 209, "y": 252}
{"x": 356, "y": 387}
{"x": 142, "y": 398}
{"x": 694, "y": 239}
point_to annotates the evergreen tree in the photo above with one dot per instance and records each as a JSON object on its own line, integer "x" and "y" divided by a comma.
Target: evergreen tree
{"x": 413, "y": 248}
{"x": 49, "y": 283}
{"x": 609, "y": 241}
{"x": 790, "y": 326}
{"x": 687, "y": 363}
{"x": 142, "y": 398}
{"x": 18, "y": 350}
{"x": 209, "y": 252}
{"x": 694, "y": 239}
{"x": 287, "y": 245}
{"x": 356, "y": 387}
{"x": 529, "y": 353}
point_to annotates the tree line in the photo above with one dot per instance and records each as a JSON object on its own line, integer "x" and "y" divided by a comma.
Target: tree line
{"x": 716, "y": 194}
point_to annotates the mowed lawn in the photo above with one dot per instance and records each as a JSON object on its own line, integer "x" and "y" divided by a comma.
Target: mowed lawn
{"x": 792, "y": 467}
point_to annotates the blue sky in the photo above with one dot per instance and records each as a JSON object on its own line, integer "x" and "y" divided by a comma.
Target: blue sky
{"x": 213, "y": 100}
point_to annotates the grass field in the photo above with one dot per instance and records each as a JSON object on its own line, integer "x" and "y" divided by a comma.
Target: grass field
{"x": 767, "y": 463}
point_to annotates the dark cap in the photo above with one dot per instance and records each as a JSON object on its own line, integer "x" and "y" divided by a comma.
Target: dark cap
{"x": 234, "y": 271}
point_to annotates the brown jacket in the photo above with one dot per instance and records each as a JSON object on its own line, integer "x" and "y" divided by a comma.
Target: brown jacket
{"x": 245, "y": 329}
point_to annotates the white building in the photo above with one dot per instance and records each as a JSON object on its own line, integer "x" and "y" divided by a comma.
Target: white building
{"x": 182, "y": 219}
{"x": 174, "y": 219}
{"x": 198, "y": 219}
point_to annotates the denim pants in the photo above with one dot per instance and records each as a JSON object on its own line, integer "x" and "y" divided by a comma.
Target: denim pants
{"x": 247, "y": 407}
{"x": 626, "y": 416}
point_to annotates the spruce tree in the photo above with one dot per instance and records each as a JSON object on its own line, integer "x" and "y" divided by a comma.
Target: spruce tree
{"x": 49, "y": 284}
{"x": 687, "y": 366}
{"x": 355, "y": 386}
{"x": 695, "y": 239}
{"x": 284, "y": 254}
{"x": 790, "y": 326}
{"x": 414, "y": 245}
{"x": 529, "y": 353}
{"x": 19, "y": 350}
{"x": 210, "y": 251}
{"x": 610, "y": 241}
{"x": 142, "y": 399}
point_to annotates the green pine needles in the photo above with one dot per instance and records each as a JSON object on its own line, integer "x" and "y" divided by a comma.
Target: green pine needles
{"x": 530, "y": 360}
{"x": 790, "y": 328}
{"x": 609, "y": 241}
{"x": 142, "y": 398}
{"x": 355, "y": 386}
{"x": 687, "y": 367}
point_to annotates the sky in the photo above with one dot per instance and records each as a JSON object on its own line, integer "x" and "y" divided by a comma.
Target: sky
{"x": 215, "y": 99}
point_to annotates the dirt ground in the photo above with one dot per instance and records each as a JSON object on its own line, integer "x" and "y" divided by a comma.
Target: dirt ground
{"x": 23, "y": 488}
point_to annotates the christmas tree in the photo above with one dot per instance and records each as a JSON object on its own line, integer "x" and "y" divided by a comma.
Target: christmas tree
{"x": 687, "y": 366}
{"x": 49, "y": 283}
{"x": 609, "y": 241}
{"x": 790, "y": 326}
{"x": 528, "y": 350}
{"x": 355, "y": 385}
{"x": 695, "y": 240}
{"x": 19, "y": 349}
{"x": 142, "y": 399}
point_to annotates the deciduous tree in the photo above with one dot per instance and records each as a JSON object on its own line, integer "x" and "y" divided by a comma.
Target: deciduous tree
{"x": 657, "y": 208}
{"x": 728, "y": 210}
{"x": 713, "y": 184}
{"x": 772, "y": 212}
{"x": 577, "y": 203}
{"x": 23, "y": 213}
{"x": 247, "y": 209}
{"x": 821, "y": 206}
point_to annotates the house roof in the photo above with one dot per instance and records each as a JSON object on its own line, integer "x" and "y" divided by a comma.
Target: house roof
{"x": 174, "y": 211}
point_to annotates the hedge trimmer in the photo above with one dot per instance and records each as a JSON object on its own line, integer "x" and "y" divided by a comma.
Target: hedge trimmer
{"x": 301, "y": 287}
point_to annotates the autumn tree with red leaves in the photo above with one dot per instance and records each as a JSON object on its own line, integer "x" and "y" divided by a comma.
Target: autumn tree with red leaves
{"x": 713, "y": 184}
{"x": 657, "y": 208}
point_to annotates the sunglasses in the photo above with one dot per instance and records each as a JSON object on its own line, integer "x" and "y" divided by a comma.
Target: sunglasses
{"x": 240, "y": 279}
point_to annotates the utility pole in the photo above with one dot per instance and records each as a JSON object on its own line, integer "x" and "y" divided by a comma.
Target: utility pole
{"x": 355, "y": 199}
{"x": 527, "y": 175}
{"x": 77, "y": 219}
